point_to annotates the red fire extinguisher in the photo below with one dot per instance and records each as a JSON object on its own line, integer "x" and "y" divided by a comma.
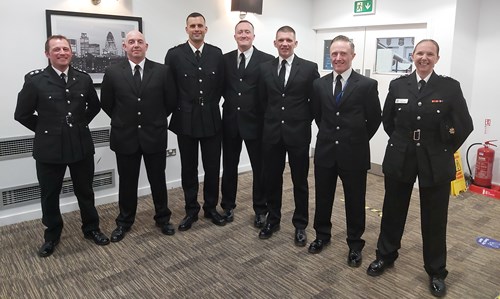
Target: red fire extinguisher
{"x": 484, "y": 165}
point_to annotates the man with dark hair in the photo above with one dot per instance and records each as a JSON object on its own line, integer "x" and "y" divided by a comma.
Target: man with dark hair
{"x": 58, "y": 103}
{"x": 198, "y": 71}
{"x": 347, "y": 111}
{"x": 242, "y": 120}
{"x": 138, "y": 95}
{"x": 285, "y": 90}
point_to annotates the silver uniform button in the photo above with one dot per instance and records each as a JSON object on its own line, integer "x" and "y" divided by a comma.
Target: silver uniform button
{"x": 338, "y": 113}
{"x": 439, "y": 111}
{"x": 336, "y": 142}
{"x": 201, "y": 91}
{"x": 139, "y": 99}
{"x": 239, "y": 93}
{"x": 419, "y": 103}
{"x": 201, "y": 80}
{"x": 139, "y": 126}
{"x": 69, "y": 113}
{"x": 139, "y": 113}
{"x": 282, "y": 121}
{"x": 338, "y": 128}
{"x": 282, "y": 108}
{"x": 238, "y": 108}
{"x": 419, "y": 118}
{"x": 418, "y": 143}
{"x": 282, "y": 95}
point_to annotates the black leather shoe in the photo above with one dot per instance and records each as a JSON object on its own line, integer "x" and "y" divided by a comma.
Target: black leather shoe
{"x": 98, "y": 237}
{"x": 260, "y": 220}
{"x": 268, "y": 231}
{"x": 317, "y": 246}
{"x": 378, "y": 266}
{"x": 437, "y": 286}
{"x": 47, "y": 248}
{"x": 300, "y": 237}
{"x": 187, "y": 222}
{"x": 166, "y": 228}
{"x": 119, "y": 233}
{"x": 354, "y": 258}
{"x": 228, "y": 215}
{"x": 217, "y": 218}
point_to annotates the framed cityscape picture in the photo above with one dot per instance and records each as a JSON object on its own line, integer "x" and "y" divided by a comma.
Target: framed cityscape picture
{"x": 95, "y": 39}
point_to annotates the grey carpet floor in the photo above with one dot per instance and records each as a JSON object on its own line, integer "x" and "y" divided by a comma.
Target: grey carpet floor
{"x": 232, "y": 262}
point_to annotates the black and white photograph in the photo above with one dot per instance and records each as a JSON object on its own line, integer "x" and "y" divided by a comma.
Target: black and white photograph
{"x": 95, "y": 39}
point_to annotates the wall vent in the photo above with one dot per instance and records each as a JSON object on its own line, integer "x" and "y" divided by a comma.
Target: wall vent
{"x": 19, "y": 147}
{"x": 28, "y": 194}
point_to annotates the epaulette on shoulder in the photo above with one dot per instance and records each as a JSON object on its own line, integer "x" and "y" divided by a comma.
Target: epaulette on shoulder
{"x": 35, "y": 72}
{"x": 446, "y": 77}
{"x": 79, "y": 70}
{"x": 401, "y": 77}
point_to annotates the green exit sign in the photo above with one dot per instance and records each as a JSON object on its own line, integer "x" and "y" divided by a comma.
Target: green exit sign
{"x": 364, "y": 7}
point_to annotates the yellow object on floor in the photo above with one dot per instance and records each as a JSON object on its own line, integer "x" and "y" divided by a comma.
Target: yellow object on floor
{"x": 458, "y": 185}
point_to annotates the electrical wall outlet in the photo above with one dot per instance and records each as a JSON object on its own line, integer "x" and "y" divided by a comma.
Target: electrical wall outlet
{"x": 171, "y": 152}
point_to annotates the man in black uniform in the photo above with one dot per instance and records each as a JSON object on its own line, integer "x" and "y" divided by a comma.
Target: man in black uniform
{"x": 138, "y": 95}
{"x": 285, "y": 89}
{"x": 242, "y": 117}
{"x": 427, "y": 120}
{"x": 198, "y": 71}
{"x": 347, "y": 111}
{"x": 58, "y": 103}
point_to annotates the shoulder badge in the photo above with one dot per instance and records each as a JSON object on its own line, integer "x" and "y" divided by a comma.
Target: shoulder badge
{"x": 446, "y": 77}
{"x": 401, "y": 77}
{"x": 79, "y": 70}
{"x": 35, "y": 72}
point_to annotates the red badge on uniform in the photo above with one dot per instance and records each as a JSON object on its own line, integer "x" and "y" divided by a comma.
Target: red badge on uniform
{"x": 436, "y": 101}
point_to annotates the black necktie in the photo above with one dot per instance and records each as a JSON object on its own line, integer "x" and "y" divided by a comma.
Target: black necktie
{"x": 137, "y": 75}
{"x": 337, "y": 94}
{"x": 197, "y": 53}
{"x": 241, "y": 67}
{"x": 422, "y": 85}
{"x": 281, "y": 75}
{"x": 63, "y": 78}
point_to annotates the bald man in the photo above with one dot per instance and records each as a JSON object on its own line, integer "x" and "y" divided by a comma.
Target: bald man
{"x": 138, "y": 95}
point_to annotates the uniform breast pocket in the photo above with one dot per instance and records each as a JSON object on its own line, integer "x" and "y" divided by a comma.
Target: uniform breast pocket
{"x": 210, "y": 73}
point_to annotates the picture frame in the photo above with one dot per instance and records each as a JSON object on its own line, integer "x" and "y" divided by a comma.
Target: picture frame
{"x": 95, "y": 39}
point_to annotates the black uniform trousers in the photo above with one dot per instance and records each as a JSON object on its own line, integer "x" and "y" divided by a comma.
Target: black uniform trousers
{"x": 354, "y": 184}
{"x": 434, "y": 217}
{"x": 274, "y": 157}
{"x": 50, "y": 177}
{"x": 230, "y": 159}
{"x": 128, "y": 170}
{"x": 210, "y": 156}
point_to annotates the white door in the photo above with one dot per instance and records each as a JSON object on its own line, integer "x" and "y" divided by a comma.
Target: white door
{"x": 367, "y": 42}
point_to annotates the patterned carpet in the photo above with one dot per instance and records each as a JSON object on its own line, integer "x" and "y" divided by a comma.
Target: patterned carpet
{"x": 231, "y": 262}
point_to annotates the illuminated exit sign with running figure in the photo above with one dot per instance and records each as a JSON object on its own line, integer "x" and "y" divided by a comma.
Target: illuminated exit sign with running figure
{"x": 364, "y": 7}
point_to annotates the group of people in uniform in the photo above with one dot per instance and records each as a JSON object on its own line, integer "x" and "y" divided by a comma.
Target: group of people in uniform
{"x": 269, "y": 104}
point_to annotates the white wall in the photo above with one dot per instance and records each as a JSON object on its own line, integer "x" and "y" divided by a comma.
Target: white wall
{"x": 163, "y": 25}
{"x": 485, "y": 91}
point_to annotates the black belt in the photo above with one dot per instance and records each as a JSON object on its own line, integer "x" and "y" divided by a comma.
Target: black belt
{"x": 418, "y": 134}
{"x": 70, "y": 120}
